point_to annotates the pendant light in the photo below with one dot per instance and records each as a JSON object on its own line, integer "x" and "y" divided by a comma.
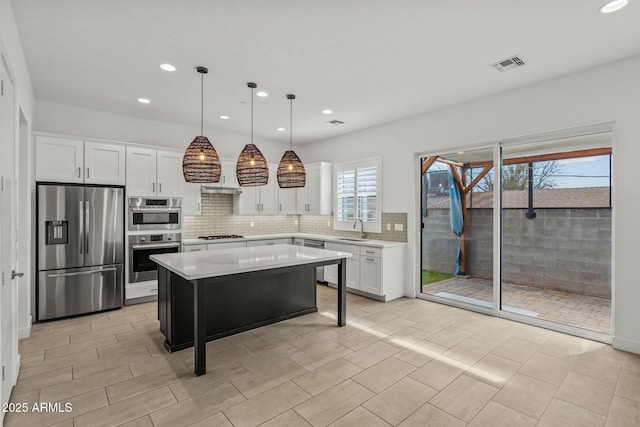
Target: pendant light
{"x": 201, "y": 163}
{"x": 291, "y": 173}
{"x": 252, "y": 169}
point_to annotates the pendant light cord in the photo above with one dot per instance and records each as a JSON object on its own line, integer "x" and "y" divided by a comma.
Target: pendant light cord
{"x": 291, "y": 124}
{"x": 202, "y": 104}
{"x": 252, "y": 115}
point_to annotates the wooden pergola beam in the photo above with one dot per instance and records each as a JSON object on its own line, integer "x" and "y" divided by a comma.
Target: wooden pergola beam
{"x": 426, "y": 163}
{"x": 477, "y": 179}
{"x": 548, "y": 157}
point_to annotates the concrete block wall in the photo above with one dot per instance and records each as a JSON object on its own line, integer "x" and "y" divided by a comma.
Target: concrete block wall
{"x": 563, "y": 249}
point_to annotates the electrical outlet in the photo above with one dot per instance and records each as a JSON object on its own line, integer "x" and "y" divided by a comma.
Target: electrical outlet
{"x": 251, "y": 224}
{"x": 296, "y": 222}
{"x": 398, "y": 227}
{"x": 388, "y": 227}
{"x": 329, "y": 223}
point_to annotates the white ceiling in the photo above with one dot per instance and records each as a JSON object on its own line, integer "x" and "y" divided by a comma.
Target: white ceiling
{"x": 371, "y": 61}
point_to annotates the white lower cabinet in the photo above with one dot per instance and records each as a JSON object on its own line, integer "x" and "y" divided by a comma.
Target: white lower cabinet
{"x": 353, "y": 265}
{"x": 372, "y": 270}
{"x": 226, "y": 245}
{"x": 141, "y": 290}
{"x": 195, "y": 248}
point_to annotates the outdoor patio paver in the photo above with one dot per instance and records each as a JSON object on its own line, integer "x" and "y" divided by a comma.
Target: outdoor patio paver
{"x": 582, "y": 311}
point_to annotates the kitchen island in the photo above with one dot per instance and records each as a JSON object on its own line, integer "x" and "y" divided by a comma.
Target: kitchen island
{"x": 203, "y": 296}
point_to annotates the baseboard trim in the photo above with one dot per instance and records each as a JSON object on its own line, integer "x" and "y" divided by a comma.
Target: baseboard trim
{"x": 26, "y": 331}
{"x": 626, "y": 345}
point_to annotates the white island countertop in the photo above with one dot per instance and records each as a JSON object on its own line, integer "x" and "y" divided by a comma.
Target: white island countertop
{"x": 222, "y": 262}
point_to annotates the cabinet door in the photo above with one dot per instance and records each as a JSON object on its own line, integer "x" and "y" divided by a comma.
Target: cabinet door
{"x": 302, "y": 198}
{"x": 246, "y": 203}
{"x": 287, "y": 201}
{"x": 269, "y": 193}
{"x": 191, "y": 199}
{"x": 313, "y": 190}
{"x": 59, "y": 160}
{"x": 169, "y": 174}
{"x": 141, "y": 172}
{"x": 371, "y": 275}
{"x": 353, "y": 265}
{"x": 228, "y": 174}
{"x": 104, "y": 163}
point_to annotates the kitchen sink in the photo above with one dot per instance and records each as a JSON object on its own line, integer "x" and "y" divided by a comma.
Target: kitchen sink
{"x": 352, "y": 239}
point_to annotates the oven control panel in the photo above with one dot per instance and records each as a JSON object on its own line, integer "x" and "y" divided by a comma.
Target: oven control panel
{"x": 146, "y": 239}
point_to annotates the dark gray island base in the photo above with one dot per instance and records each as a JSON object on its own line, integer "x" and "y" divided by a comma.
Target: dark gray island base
{"x": 214, "y": 307}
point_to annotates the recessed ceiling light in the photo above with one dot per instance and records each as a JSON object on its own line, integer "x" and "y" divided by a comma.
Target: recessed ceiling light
{"x": 460, "y": 152}
{"x": 224, "y": 117}
{"x": 143, "y": 101}
{"x": 262, "y": 94}
{"x": 281, "y": 129}
{"x": 327, "y": 111}
{"x": 167, "y": 67}
{"x": 614, "y": 5}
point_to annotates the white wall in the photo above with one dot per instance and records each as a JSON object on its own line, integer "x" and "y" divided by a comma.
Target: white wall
{"x": 84, "y": 122}
{"x": 606, "y": 93}
{"x": 12, "y": 53}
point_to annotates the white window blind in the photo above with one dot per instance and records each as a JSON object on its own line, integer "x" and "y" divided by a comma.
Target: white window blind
{"x": 357, "y": 195}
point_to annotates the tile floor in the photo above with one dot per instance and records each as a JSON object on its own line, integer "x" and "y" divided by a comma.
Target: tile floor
{"x": 408, "y": 362}
{"x": 568, "y": 308}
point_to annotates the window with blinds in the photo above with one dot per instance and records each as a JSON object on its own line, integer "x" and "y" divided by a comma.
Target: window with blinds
{"x": 357, "y": 195}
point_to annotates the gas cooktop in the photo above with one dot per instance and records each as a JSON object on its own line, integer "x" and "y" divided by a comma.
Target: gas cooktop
{"x": 221, "y": 236}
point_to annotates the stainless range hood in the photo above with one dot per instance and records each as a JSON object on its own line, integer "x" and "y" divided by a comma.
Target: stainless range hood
{"x": 214, "y": 189}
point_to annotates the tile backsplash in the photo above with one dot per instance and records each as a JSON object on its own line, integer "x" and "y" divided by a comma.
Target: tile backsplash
{"x": 217, "y": 218}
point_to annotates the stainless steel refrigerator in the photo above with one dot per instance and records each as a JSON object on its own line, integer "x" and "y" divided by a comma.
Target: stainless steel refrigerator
{"x": 80, "y": 233}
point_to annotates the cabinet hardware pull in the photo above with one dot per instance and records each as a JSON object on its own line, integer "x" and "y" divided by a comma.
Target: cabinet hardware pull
{"x": 87, "y": 173}
{"x": 79, "y": 172}
{"x": 153, "y": 290}
{"x": 160, "y": 187}
{"x": 198, "y": 204}
{"x": 370, "y": 252}
{"x": 369, "y": 259}
{"x": 280, "y": 209}
{"x": 153, "y": 187}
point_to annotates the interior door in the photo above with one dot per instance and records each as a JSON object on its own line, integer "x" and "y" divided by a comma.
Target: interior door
{"x": 8, "y": 302}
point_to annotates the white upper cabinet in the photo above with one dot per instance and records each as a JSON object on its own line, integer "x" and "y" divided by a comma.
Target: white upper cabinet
{"x": 104, "y": 163}
{"x": 315, "y": 197}
{"x": 191, "y": 199}
{"x": 169, "y": 174}
{"x": 75, "y": 161}
{"x": 153, "y": 173}
{"x": 287, "y": 201}
{"x": 258, "y": 200}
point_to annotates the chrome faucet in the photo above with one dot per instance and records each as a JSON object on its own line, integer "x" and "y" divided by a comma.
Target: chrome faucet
{"x": 362, "y": 235}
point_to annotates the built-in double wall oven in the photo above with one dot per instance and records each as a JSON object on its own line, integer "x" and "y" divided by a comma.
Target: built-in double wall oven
{"x": 141, "y": 246}
{"x": 161, "y": 218}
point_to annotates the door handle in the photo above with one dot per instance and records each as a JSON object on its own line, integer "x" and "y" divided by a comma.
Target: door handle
{"x": 87, "y": 208}
{"x": 14, "y": 274}
{"x": 81, "y": 273}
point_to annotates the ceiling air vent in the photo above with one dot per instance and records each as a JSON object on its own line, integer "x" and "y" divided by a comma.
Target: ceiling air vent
{"x": 508, "y": 64}
{"x": 335, "y": 122}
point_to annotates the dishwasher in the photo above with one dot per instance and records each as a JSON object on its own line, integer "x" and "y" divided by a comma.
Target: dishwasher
{"x": 312, "y": 243}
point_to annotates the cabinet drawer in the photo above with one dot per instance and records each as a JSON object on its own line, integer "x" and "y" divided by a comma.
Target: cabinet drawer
{"x": 371, "y": 252}
{"x": 226, "y": 245}
{"x": 142, "y": 289}
{"x": 195, "y": 248}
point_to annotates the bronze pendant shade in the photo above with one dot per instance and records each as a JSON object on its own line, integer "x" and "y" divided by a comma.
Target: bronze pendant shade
{"x": 291, "y": 172}
{"x": 201, "y": 163}
{"x": 252, "y": 169}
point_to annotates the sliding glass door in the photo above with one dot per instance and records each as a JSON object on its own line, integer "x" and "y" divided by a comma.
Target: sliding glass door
{"x": 554, "y": 234}
{"x": 457, "y": 227}
{"x": 556, "y": 231}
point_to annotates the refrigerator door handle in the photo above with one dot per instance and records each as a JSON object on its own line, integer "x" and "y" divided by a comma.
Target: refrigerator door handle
{"x": 87, "y": 208}
{"x": 81, "y": 273}
{"x": 81, "y": 227}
